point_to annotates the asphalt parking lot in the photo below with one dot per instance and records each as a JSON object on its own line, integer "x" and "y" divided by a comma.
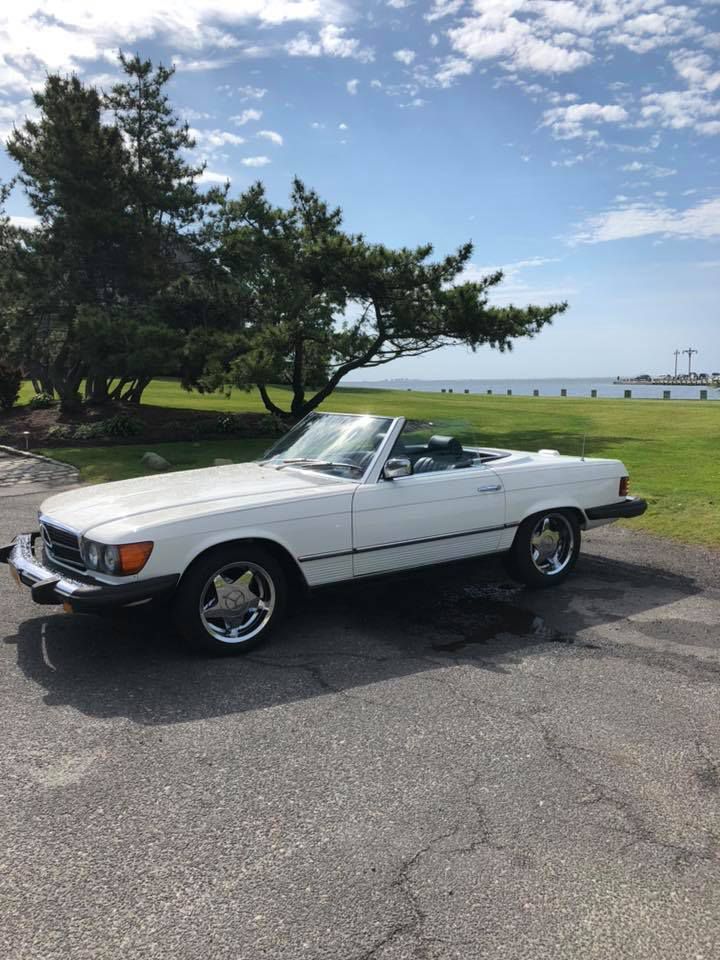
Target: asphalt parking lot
{"x": 438, "y": 766}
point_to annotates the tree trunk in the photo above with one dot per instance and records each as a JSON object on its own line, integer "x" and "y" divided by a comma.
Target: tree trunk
{"x": 298, "y": 400}
{"x": 97, "y": 389}
{"x": 116, "y": 392}
{"x": 324, "y": 392}
{"x": 269, "y": 405}
{"x": 41, "y": 378}
{"x": 135, "y": 392}
{"x": 68, "y": 389}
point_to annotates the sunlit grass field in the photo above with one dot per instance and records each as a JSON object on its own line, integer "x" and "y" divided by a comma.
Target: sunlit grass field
{"x": 671, "y": 448}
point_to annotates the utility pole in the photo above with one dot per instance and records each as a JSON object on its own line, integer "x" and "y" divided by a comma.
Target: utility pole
{"x": 676, "y": 355}
{"x": 690, "y": 353}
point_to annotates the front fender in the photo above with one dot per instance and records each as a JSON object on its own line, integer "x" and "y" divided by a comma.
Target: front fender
{"x": 180, "y": 552}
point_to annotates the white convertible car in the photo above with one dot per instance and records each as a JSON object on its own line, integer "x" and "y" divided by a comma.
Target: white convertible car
{"x": 337, "y": 498}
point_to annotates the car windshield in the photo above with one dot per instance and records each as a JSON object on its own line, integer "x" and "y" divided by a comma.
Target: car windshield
{"x": 335, "y": 443}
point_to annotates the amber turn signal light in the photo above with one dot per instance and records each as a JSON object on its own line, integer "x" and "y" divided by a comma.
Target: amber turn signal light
{"x": 134, "y": 556}
{"x": 624, "y": 486}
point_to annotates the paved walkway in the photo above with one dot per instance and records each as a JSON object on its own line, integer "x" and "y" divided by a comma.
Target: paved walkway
{"x": 16, "y": 469}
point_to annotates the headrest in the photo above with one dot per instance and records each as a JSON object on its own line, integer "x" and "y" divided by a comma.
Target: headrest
{"x": 445, "y": 445}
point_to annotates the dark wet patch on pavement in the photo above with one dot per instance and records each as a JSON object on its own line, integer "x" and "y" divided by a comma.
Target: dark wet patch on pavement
{"x": 454, "y": 616}
{"x": 496, "y": 619}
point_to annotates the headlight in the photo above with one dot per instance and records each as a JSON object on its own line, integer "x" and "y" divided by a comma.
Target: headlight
{"x": 92, "y": 556}
{"x": 119, "y": 560}
{"x": 111, "y": 559}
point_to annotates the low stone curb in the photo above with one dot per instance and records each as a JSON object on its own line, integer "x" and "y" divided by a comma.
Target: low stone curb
{"x": 13, "y": 451}
{"x": 20, "y": 469}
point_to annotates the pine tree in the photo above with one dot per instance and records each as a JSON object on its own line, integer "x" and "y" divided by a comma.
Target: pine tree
{"x": 72, "y": 170}
{"x": 313, "y": 302}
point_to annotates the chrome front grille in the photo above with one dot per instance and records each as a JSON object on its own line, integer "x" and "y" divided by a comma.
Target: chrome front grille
{"x": 62, "y": 545}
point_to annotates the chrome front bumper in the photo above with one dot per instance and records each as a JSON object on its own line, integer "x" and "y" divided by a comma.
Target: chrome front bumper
{"x": 49, "y": 585}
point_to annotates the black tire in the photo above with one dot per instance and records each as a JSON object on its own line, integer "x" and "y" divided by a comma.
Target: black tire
{"x": 527, "y": 563}
{"x": 256, "y": 599}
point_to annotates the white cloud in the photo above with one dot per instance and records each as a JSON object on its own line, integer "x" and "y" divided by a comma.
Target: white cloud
{"x": 567, "y": 122}
{"x": 514, "y": 286}
{"x": 13, "y": 114}
{"x": 444, "y": 8}
{"x": 352, "y": 87}
{"x": 405, "y": 56}
{"x": 492, "y": 34}
{"x": 701, "y": 222}
{"x": 679, "y": 109}
{"x": 451, "y": 69}
{"x": 272, "y": 136}
{"x": 399, "y": 4}
{"x": 559, "y": 36}
{"x": 304, "y": 46}
{"x": 648, "y": 169}
{"x": 251, "y": 93}
{"x": 104, "y": 81}
{"x": 255, "y": 161}
{"x": 332, "y": 41}
{"x": 663, "y": 26}
{"x": 189, "y": 114}
{"x": 697, "y": 70}
{"x": 64, "y": 35}
{"x": 342, "y": 126}
{"x": 27, "y": 223}
{"x": 433, "y": 39}
{"x": 695, "y": 107}
{"x": 212, "y": 176}
{"x": 510, "y": 270}
{"x": 199, "y": 66}
{"x": 246, "y": 116}
{"x": 214, "y": 139}
{"x": 570, "y": 161}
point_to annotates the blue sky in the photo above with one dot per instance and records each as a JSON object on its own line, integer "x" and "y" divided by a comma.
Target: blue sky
{"x": 575, "y": 142}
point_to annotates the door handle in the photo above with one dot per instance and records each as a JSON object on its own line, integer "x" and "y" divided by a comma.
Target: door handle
{"x": 490, "y": 488}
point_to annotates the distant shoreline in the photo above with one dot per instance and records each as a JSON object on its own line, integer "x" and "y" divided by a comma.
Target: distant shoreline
{"x": 601, "y": 387}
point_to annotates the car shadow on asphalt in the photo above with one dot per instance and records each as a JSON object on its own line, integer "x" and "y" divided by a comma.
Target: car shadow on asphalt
{"x": 338, "y": 639}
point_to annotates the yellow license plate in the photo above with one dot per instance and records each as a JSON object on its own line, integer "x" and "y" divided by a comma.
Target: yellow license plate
{"x": 15, "y": 575}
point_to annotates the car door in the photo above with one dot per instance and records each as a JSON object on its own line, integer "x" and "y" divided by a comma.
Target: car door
{"x": 426, "y": 518}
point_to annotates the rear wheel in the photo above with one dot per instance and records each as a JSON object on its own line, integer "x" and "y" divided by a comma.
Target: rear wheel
{"x": 230, "y": 599}
{"x": 545, "y": 548}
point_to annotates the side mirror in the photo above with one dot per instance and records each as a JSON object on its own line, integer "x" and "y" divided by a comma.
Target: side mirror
{"x": 397, "y": 467}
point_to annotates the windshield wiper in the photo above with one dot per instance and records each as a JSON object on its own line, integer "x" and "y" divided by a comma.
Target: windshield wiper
{"x": 312, "y": 462}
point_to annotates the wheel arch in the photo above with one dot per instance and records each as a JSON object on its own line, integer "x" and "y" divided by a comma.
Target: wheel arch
{"x": 280, "y": 551}
{"x": 547, "y": 506}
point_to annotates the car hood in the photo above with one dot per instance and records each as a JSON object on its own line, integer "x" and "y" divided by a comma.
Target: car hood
{"x": 237, "y": 486}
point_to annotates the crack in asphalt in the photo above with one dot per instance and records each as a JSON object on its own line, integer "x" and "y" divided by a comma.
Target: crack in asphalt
{"x": 413, "y": 926}
{"x": 709, "y": 773}
{"x": 638, "y": 829}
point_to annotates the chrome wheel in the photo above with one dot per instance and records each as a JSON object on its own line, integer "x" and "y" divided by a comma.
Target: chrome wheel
{"x": 552, "y": 544}
{"x": 237, "y": 601}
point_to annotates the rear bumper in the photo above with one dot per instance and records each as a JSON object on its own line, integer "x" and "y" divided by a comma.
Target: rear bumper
{"x": 82, "y": 593}
{"x": 624, "y": 510}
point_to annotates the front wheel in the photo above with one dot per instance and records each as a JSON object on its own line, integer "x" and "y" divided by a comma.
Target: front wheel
{"x": 230, "y": 599}
{"x": 545, "y": 548}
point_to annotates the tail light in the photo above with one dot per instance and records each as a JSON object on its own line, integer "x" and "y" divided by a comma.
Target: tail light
{"x": 624, "y": 487}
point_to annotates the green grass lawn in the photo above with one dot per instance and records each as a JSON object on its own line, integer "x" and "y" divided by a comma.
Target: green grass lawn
{"x": 671, "y": 448}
